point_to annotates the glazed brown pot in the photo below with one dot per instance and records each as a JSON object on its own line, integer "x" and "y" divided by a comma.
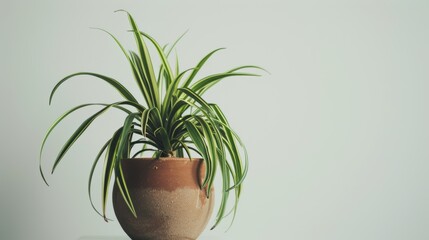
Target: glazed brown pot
{"x": 167, "y": 198}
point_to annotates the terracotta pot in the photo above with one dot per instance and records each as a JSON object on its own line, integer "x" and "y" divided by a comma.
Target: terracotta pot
{"x": 167, "y": 198}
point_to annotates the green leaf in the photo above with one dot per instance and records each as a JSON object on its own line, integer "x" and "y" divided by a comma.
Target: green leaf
{"x": 56, "y": 122}
{"x": 209, "y": 136}
{"x": 79, "y": 132}
{"x": 195, "y": 150}
{"x": 109, "y": 165}
{"x": 177, "y": 126}
{"x": 142, "y": 151}
{"x": 247, "y": 66}
{"x": 138, "y": 78}
{"x": 230, "y": 140}
{"x": 176, "y": 112}
{"x": 122, "y": 153}
{"x": 121, "y": 89}
{"x": 145, "y": 120}
{"x": 198, "y": 67}
{"x": 225, "y": 194}
{"x": 239, "y": 174}
{"x": 172, "y": 89}
{"x": 127, "y": 127}
{"x": 161, "y": 133}
{"x": 175, "y": 43}
{"x": 161, "y": 54}
{"x": 197, "y": 98}
{"x": 146, "y": 63}
{"x": 179, "y": 153}
{"x": 202, "y": 147}
{"x": 177, "y": 65}
{"x": 121, "y": 183}
{"x": 204, "y": 84}
{"x": 149, "y": 142}
{"x": 91, "y": 174}
{"x": 139, "y": 75}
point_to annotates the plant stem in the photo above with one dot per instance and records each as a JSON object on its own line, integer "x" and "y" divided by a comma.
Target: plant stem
{"x": 168, "y": 153}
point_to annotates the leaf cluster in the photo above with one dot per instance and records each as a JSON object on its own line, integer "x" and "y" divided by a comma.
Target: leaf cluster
{"x": 173, "y": 120}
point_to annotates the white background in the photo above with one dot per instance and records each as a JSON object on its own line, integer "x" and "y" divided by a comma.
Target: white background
{"x": 337, "y": 134}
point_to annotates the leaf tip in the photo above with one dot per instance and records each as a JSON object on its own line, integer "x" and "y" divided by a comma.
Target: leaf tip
{"x": 46, "y": 182}
{"x": 120, "y": 10}
{"x": 53, "y": 169}
{"x": 265, "y": 70}
{"x": 43, "y": 177}
{"x": 50, "y": 99}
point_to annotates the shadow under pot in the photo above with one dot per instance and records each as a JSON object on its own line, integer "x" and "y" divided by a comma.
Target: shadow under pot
{"x": 167, "y": 199}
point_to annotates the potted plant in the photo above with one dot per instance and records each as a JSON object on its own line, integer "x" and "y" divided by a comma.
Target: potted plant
{"x": 168, "y": 195}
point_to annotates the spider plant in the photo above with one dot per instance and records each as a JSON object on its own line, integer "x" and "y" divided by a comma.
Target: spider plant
{"x": 173, "y": 120}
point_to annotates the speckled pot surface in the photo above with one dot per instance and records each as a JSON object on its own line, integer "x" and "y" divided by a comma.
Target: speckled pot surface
{"x": 167, "y": 198}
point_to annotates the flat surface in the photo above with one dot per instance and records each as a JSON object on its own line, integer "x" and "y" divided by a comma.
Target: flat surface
{"x": 102, "y": 238}
{"x": 126, "y": 238}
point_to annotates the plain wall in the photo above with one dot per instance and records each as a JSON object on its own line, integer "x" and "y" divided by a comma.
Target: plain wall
{"x": 337, "y": 133}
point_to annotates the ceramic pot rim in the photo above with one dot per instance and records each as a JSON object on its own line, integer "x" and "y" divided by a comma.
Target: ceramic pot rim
{"x": 162, "y": 159}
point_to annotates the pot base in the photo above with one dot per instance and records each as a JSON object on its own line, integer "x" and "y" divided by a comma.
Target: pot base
{"x": 163, "y": 215}
{"x": 168, "y": 206}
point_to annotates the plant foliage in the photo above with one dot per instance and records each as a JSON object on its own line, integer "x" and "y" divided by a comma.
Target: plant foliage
{"x": 173, "y": 120}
